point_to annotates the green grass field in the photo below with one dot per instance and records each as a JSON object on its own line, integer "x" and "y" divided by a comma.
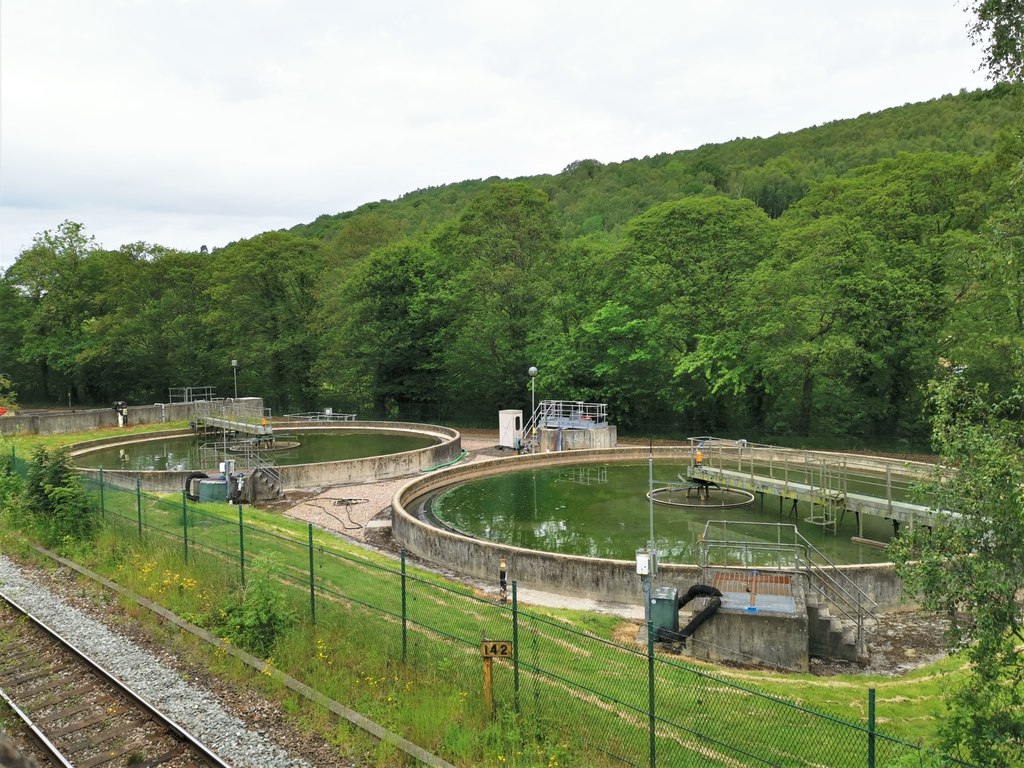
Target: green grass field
{"x": 404, "y": 649}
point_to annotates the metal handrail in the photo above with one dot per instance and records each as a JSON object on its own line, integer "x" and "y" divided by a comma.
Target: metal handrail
{"x": 320, "y": 416}
{"x": 747, "y": 549}
{"x": 564, "y": 414}
{"x": 834, "y": 586}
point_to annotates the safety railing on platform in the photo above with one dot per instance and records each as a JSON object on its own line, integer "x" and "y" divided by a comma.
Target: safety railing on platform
{"x": 789, "y": 551}
{"x": 325, "y": 415}
{"x": 190, "y": 394}
{"x": 563, "y": 414}
{"x": 825, "y": 478}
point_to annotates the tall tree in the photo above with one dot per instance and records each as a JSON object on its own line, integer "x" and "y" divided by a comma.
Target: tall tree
{"x": 686, "y": 264}
{"x": 50, "y": 277}
{"x": 969, "y": 568}
{"x": 262, "y": 297}
{"x": 379, "y": 348}
{"x": 502, "y": 249}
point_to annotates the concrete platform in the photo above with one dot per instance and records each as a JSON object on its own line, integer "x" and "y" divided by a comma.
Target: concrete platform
{"x": 762, "y": 620}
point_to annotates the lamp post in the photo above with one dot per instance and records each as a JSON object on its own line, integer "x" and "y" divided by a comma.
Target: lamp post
{"x": 533, "y": 389}
{"x": 234, "y": 376}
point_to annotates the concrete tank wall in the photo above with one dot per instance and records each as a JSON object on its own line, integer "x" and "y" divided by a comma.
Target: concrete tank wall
{"x": 364, "y": 470}
{"x": 374, "y": 468}
{"x": 585, "y": 577}
{"x": 65, "y": 422}
{"x": 552, "y": 440}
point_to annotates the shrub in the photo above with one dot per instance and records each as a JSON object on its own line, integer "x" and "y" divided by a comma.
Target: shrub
{"x": 56, "y": 500}
{"x": 260, "y": 616}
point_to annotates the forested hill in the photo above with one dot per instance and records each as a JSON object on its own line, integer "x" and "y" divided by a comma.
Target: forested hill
{"x": 806, "y": 284}
{"x": 774, "y": 172}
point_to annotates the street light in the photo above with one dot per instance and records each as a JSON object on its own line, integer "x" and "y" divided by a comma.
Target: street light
{"x": 533, "y": 389}
{"x": 234, "y": 376}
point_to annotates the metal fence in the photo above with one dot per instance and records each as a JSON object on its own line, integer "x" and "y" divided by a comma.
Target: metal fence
{"x": 619, "y": 703}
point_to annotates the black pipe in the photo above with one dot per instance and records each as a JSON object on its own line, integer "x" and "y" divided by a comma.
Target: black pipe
{"x": 188, "y": 485}
{"x": 697, "y": 590}
{"x": 706, "y": 613}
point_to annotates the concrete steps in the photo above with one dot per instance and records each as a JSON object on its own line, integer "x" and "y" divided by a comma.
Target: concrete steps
{"x": 830, "y": 636}
{"x": 260, "y": 486}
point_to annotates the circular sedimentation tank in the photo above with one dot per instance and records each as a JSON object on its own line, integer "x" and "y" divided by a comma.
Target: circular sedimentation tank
{"x": 357, "y": 452}
{"x": 572, "y": 522}
{"x": 187, "y": 451}
{"x": 602, "y": 509}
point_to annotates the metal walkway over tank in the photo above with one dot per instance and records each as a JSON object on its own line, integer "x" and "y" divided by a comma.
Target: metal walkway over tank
{"x": 831, "y": 483}
{"x": 238, "y": 416}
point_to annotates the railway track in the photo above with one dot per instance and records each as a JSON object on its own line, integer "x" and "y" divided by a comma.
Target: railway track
{"x": 81, "y": 715}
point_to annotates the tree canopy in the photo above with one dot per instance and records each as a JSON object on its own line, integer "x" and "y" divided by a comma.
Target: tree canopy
{"x": 998, "y": 27}
{"x": 970, "y": 567}
{"x": 804, "y": 284}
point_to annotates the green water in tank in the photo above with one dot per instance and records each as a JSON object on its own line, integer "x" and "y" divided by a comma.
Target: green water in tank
{"x": 184, "y": 453}
{"x": 601, "y": 510}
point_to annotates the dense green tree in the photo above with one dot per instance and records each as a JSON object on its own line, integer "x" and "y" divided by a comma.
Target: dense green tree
{"x": 687, "y": 264}
{"x": 120, "y": 357}
{"x": 825, "y": 334}
{"x": 910, "y": 197}
{"x": 14, "y": 308}
{"x": 51, "y": 279}
{"x": 774, "y": 186}
{"x": 502, "y": 252}
{"x": 610, "y": 357}
{"x": 262, "y": 297}
{"x": 380, "y": 345}
{"x": 56, "y": 500}
{"x": 969, "y": 567}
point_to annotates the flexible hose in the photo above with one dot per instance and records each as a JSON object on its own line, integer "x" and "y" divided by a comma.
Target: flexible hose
{"x": 458, "y": 458}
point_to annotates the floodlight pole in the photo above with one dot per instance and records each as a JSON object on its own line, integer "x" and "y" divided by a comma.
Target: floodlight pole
{"x": 533, "y": 389}
{"x": 234, "y": 376}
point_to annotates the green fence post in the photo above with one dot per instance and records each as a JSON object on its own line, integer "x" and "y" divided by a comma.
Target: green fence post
{"x": 184, "y": 522}
{"x": 138, "y": 503}
{"x": 312, "y": 584}
{"x": 650, "y": 692}
{"x": 241, "y": 544}
{"x": 103, "y": 509}
{"x": 871, "y": 728}
{"x": 405, "y": 636}
{"x": 515, "y": 645}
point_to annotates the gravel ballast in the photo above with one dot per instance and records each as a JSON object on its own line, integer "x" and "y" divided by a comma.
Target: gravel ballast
{"x": 191, "y": 706}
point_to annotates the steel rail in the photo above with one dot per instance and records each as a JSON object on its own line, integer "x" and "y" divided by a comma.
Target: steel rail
{"x": 176, "y": 730}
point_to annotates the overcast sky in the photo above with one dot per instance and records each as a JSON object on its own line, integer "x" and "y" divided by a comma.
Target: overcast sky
{"x": 198, "y": 122}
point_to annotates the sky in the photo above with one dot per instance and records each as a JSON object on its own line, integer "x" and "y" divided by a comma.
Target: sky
{"x": 186, "y": 123}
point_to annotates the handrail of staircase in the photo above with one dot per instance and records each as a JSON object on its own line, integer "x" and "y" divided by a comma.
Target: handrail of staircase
{"x": 839, "y": 589}
{"x": 541, "y": 413}
{"x": 841, "y": 592}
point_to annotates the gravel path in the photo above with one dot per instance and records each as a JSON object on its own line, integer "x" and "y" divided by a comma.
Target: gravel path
{"x": 351, "y": 520}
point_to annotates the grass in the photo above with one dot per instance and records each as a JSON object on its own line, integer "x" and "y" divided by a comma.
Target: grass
{"x": 582, "y": 697}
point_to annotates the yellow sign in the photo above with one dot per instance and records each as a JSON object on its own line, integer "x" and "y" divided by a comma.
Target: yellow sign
{"x": 500, "y": 648}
